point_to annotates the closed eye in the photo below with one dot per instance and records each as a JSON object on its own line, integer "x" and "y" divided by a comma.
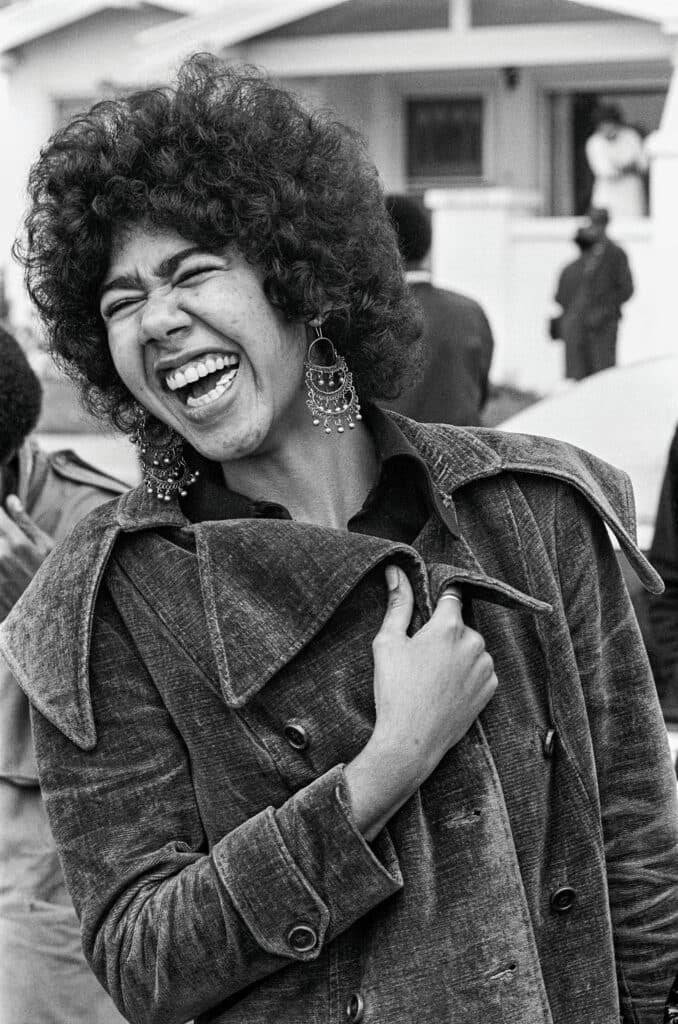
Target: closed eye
{"x": 119, "y": 305}
{"x": 189, "y": 275}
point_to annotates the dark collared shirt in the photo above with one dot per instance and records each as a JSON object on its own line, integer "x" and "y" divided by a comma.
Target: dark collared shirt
{"x": 396, "y": 508}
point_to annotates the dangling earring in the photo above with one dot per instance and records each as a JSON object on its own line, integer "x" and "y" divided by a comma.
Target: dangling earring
{"x": 329, "y": 384}
{"x": 163, "y": 466}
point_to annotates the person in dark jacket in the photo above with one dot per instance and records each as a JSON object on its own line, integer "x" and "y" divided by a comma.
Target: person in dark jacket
{"x": 458, "y": 342}
{"x": 592, "y": 290}
{"x": 339, "y": 716}
{"x": 663, "y": 608}
{"x": 43, "y": 975}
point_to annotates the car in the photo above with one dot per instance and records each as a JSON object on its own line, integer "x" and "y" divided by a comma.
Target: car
{"x": 627, "y": 415}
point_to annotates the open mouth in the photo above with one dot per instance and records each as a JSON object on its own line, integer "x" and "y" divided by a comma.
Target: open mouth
{"x": 201, "y": 381}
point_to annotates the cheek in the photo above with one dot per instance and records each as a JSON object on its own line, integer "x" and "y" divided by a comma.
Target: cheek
{"x": 128, "y": 361}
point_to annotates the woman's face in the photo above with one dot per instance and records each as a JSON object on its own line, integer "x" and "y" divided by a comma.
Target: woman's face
{"x": 195, "y": 340}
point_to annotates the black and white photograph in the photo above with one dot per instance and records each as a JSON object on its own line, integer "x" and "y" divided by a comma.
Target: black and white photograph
{"x": 339, "y": 512}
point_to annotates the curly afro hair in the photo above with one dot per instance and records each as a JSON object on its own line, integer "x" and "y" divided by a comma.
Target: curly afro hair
{"x": 221, "y": 157}
{"x": 20, "y": 396}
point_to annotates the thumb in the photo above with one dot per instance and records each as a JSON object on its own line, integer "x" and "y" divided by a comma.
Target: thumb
{"x": 400, "y": 601}
{"x": 19, "y": 515}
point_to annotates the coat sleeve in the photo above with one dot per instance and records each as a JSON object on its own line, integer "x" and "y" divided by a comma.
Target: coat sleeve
{"x": 663, "y": 608}
{"x": 170, "y": 927}
{"x": 635, "y": 779}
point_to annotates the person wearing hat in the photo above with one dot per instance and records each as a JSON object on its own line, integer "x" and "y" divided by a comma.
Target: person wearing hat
{"x": 617, "y": 160}
{"x": 591, "y": 291}
{"x": 43, "y": 975}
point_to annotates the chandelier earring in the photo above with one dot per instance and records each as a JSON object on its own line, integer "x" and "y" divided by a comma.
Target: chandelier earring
{"x": 332, "y": 398}
{"x": 161, "y": 454}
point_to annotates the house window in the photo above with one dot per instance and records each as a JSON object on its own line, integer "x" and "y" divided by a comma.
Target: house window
{"x": 445, "y": 140}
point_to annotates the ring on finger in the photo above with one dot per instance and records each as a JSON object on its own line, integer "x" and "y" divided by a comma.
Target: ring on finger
{"x": 450, "y": 596}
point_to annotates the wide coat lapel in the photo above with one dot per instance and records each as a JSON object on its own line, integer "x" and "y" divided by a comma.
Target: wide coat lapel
{"x": 269, "y": 586}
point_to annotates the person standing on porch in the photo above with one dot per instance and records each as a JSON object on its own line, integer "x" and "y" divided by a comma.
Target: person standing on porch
{"x": 618, "y": 162}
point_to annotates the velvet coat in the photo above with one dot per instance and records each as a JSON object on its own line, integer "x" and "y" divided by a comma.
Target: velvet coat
{"x": 191, "y": 744}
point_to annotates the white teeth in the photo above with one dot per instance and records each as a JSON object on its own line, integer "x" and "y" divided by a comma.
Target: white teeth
{"x": 222, "y": 385}
{"x": 193, "y": 370}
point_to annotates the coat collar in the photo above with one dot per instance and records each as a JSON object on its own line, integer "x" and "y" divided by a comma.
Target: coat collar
{"x": 56, "y": 675}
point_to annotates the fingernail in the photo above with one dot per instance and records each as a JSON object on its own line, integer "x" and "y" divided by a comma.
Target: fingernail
{"x": 13, "y": 504}
{"x": 392, "y": 577}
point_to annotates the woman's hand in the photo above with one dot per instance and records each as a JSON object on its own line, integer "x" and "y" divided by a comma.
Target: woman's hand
{"x": 428, "y": 690}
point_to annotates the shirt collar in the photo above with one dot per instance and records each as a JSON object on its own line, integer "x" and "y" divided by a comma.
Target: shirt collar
{"x": 209, "y": 495}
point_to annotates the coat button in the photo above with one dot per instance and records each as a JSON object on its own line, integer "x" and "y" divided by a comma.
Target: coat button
{"x": 549, "y": 742}
{"x": 355, "y": 1008}
{"x": 563, "y": 899}
{"x": 296, "y": 735}
{"x": 302, "y": 938}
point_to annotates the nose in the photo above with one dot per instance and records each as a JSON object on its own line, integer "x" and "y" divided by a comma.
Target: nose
{"x": 162, "y": 318}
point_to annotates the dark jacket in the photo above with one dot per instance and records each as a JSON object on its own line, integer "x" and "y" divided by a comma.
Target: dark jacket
{"x": 43, "y": 975}
{"x": 458, "y": 347}
{"x": 663, "y": 608}
{"x": 594, "y": 287}
{"x": 192, "y": 741}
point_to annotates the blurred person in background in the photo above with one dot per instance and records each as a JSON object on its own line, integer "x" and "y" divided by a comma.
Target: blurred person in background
{"x": 617, "y": 158}
{"x": 591, "y": 291}
{"x": 285, "y": 780}
{"x": 43, "y": 975}
{"x": 663, "y": 608}
{"x": 458, "y": 343}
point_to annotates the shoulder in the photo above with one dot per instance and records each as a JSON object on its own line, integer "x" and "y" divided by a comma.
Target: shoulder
{"x": 57, "y": 607}
{"x": 462, "y": 304}
{"x": 463, "y": 456}
{"x": 60, "y": 488}
{"x": 615, "y": 252}
{"x": 66, "y": 465}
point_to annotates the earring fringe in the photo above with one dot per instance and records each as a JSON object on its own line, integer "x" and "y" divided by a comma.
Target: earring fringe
{"x": 332, "y": 398}
{"x": 163, "y": 465}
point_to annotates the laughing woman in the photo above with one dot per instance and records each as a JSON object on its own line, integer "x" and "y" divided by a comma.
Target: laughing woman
{"x": 339, "y": 717}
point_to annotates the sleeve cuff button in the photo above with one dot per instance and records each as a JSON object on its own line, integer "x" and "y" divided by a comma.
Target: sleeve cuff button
{"x": 302, "y": 938}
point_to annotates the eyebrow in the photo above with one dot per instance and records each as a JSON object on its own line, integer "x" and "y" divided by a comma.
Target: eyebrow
{"x": 164, "y": 269}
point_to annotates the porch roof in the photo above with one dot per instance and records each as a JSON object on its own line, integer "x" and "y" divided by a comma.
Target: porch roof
{"x": 629, "y": 31}
{"x": 648, "y": 10}
{"x": 21, "y": 23}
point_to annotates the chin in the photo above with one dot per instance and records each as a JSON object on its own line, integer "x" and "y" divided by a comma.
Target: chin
{"x": 238, "y": 443}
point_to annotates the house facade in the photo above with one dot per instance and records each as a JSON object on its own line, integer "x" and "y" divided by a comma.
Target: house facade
{"x": 482, "y": 107}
